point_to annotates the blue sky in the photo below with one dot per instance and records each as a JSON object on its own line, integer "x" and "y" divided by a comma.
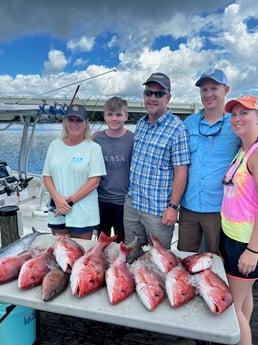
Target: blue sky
{"x": 46, "y": 45}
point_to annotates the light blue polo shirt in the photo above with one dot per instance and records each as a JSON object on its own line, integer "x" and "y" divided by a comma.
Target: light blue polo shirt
{"x": 210, "y": 158}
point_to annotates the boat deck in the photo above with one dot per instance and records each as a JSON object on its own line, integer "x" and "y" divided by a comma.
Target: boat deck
{"x": 55, "y": 329}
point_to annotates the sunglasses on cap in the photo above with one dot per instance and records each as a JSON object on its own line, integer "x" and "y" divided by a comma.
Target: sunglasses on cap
{"x": 157, "y": 94}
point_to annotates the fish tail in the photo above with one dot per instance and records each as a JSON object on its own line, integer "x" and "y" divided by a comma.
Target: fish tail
{"x": 125, "y": 250}
{"x": 155, "y": 241}
{"x": 106, "y": 240}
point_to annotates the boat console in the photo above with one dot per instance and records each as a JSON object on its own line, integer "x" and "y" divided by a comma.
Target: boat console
{"x": 9, "y": 183}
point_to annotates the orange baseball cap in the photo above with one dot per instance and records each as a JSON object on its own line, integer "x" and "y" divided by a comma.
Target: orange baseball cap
{"x": 249, "y": 102}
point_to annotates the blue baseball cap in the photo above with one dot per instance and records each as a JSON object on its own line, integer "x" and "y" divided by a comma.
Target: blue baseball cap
{"x": 215, "y": 74}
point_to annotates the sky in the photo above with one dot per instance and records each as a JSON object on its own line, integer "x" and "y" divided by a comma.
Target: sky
{"x": 110, "y": 47}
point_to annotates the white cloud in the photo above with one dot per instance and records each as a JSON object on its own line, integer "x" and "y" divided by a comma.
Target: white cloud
{"x": 83, "y": 44}
{"x": 56, "y": 61}
{"x": 240, "y": 47}
{"x": 80, "y": 62}
{"x": 113, "y": 41}
{"x": 208, "y": 38}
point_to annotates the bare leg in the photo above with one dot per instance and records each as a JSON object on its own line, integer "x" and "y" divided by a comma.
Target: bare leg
{"x": 84, "y": 236}
{"x": 243, "y": 300}
{"x": 60, "y": 232}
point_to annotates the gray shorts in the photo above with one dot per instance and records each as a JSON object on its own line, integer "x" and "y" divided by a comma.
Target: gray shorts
{"x": 141, "y": 224}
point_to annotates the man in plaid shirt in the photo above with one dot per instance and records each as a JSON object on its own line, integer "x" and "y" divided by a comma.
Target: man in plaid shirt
{"x": 159, "y": 167}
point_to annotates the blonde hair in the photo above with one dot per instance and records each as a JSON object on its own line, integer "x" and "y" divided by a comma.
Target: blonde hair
{"x": 87, "y": 133}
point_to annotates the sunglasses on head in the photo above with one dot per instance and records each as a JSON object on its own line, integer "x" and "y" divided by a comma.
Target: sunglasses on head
{"x": 157, "y": 94}
{"x": 77, "y": 119}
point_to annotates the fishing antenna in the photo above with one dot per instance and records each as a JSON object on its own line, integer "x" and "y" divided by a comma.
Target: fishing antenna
{"x": 77, "y": 82}
{"x": 75, "y": 93}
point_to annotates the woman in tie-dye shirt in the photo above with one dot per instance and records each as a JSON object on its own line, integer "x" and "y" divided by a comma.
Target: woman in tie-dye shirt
{"x": 239, "y": 238}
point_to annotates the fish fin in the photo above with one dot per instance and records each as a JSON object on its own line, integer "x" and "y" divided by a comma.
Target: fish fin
{"x": 106, "y": 239}
{"x": 34, "y": 230}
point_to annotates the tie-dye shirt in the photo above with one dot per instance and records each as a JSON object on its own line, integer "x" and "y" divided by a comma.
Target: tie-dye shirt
{"x": 240, "y": 200}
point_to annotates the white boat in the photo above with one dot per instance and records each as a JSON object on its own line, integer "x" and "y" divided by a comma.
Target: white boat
{"x": 20, "y": 188}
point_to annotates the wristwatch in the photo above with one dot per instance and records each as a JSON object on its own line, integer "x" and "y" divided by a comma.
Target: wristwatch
{"x": 70, "y": 202}
{"x": 174, "y": 206}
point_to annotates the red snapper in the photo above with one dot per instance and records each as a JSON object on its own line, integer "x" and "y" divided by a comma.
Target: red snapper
{"x": 161, "y": 257}
{"x": 10, "y": 266}
{"x": 33, "y": 271}
{"x": 88, "y": 272}
{"x": 179, "y": 287}
{"x": 198, "y": 262}
{"x": 67, "y": 251}
{"x": 150, "y": 286}
{"x": 119, "y": 280}
{"x": 213, "y": 289}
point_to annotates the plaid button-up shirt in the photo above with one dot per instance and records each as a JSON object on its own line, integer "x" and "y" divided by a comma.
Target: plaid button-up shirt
{"x": 157, "y": 149}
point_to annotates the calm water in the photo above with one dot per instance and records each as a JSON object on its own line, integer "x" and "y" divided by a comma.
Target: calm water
{"x": 11, "y": 140}
{"x": 10, "y": 144}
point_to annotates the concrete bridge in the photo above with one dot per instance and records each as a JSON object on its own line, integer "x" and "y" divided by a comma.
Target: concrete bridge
{"x": 95, "y": 106}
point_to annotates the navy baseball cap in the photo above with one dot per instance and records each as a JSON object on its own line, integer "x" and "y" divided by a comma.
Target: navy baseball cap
{"x": 76, "y": 110}
{"x": 215, "y": 74}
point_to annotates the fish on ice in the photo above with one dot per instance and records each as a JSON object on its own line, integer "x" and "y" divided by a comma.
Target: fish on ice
{"x": 33, "y": 270}
{"x": 21, "y": 245}
{"x": 119, "y": 281}
{"x": 160, "y": 256}
{"x": 10, "y": 266}
{"x": 67, "y": 251}
{"x": 88, "y": 272}
{"x": 214, "y": 290}
{"x": 149, "y": 283}
{"x": 197, "y": 262}
{"x": 178, "y": 285}
{"x": 54, "y": 282}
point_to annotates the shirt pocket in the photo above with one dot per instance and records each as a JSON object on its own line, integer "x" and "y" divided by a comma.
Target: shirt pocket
{"x": 194, "y": 142}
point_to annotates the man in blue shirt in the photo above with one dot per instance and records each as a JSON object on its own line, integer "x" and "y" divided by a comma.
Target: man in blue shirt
{"x": 159, "y": 166}
{"x": 213, "y": 146}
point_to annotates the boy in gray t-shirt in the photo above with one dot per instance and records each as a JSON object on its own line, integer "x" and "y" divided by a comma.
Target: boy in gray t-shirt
{"x": 117, "y": 144}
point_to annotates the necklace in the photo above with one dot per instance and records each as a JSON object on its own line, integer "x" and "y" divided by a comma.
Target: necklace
{"x": 230, "y": 181}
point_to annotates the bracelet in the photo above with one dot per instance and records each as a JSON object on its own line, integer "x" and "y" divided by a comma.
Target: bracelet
{"x": 252, "y": 251}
